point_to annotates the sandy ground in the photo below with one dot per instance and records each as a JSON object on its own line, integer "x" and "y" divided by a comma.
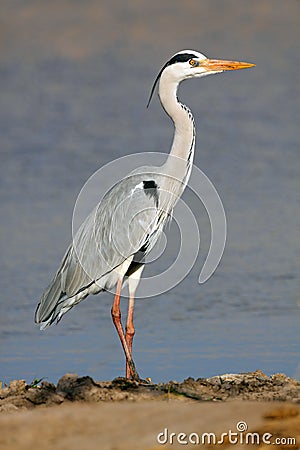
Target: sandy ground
{"x": 84, "y": 414}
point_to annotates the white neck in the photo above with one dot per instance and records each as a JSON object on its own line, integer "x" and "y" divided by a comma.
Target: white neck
{"x": 181, "y": 157}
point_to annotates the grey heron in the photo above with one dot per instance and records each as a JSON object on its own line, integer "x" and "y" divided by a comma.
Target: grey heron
{"x": 110, "y": 246}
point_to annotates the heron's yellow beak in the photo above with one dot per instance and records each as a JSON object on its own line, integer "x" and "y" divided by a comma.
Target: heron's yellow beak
{"x": 216, "y": 65}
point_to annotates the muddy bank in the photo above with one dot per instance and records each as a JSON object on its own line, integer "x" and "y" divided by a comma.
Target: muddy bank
{"x": 71, "y": 388}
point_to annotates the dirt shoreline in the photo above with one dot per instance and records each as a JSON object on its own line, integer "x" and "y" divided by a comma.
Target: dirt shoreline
{"x": 79, "y": 412}
{"x": 71, "y": 388}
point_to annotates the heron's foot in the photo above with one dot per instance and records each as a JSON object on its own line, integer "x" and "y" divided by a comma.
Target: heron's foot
{"x": 146, "y": 382}
{"x": 140, "y": 381}
{"x": 131, "y": 372}
{"x": 126, "y": 383}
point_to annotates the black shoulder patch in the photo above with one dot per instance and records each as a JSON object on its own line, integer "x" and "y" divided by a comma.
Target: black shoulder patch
{"x": 149, "y": 184}
{"x": 150, "y": 189}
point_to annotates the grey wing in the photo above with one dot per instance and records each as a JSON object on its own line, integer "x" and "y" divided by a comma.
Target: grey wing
{"x": 125, "y": 221}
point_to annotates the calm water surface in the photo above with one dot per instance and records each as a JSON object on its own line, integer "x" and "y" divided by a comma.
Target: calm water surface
{"x": 73, "y": 98}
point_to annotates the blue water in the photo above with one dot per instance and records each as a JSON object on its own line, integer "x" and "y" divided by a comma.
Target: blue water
{"x": 74, "y": 87}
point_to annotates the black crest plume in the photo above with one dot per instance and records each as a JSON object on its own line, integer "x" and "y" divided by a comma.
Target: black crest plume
{"x": 179, "y": 57}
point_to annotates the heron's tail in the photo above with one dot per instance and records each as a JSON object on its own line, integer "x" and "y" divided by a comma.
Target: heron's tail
{"x": 51, "y": 303}
{"x": 52, "y": 300}
{"x": 55, "y": 303}
{"x": 70, "y": 285}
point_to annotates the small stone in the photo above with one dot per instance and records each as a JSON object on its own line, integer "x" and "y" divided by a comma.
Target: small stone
{"x": 17, "y": 386}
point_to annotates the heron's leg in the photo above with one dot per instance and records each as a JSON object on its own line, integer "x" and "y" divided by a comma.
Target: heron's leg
{"x": 133, "y": 281}
{"x": 116, "y": 317}
{"x": 129, "y": 331}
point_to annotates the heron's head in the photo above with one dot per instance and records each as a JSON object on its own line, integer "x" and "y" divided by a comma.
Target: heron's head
{"x": 191, "y": 64}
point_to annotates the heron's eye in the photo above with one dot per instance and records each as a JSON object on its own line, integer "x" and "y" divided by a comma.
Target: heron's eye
{"x": 193, "y": 63}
